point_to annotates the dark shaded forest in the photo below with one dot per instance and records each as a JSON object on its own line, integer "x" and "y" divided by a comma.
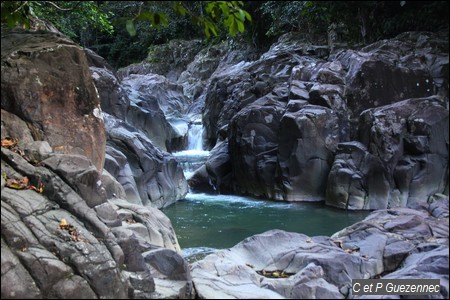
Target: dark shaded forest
{"x": 124, "y": 31}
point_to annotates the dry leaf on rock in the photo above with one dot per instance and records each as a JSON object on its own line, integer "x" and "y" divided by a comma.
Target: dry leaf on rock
{"x": 18, "y": 184}
{"x": 9, "y": 143}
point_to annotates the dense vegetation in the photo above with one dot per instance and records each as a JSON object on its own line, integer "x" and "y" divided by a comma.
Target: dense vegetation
{"x": 123, "y": 31}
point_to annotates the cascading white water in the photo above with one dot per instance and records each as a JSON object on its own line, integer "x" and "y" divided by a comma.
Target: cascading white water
{"x": 194, "y": 156}
{"x": 195, "y": 132}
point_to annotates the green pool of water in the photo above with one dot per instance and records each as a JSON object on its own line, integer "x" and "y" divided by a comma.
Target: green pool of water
{"x": 203, "y": 221}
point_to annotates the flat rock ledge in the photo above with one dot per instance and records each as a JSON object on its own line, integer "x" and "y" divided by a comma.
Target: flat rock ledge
{"x": 390, "y": 244}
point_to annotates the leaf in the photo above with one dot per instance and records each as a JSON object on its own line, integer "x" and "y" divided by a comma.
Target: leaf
{"x": 63, "y": 222}
{"x": 8, "y": 143}
{"x": 233, "y": 28}
{"x": 156, "y": 20}
{"x": 247, "y": 15}
{"x": 130, "y": 28}
{"x": 164, "y": 20}
{"x": 225, "y": 9}
{"x": 39, "y": 190}
{"x": 180, "y": 9}
{"x": 209, "y": 28}
{"x": 17, "y": 184}
{"x": 240, "y": 26}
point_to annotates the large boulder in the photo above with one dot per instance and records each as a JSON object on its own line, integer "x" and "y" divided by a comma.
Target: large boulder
{"x": 137, "y": 110}
{"x": 401, "y": 159}
{"x": 47, "y": 83}
{"x": 236, "y": 86}
{"x": 244, "y": 105}
{"x": 113, "y": 98}
{"x": 345, "y": 85}
{"x": 210, "y": 61}
{"x": 149, "y": 102}
{"x": 53, "y": 254}
{"x": 411, "y": 65}
{"x": 66, "y": 235}
{"x": 307, "y": 140}
{"x": 253, "y": 145}
{"x": 158, "y": 108}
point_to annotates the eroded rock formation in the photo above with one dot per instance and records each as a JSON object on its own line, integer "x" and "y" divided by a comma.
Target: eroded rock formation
{"x": 300, "y": 121}
{"x": 69, "y": 229}
{"x": 138, "y": 115}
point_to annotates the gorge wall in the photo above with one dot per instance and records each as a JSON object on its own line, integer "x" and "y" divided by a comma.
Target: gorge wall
{"x": 360, "y": 129}
{"x": 70, "y": 229}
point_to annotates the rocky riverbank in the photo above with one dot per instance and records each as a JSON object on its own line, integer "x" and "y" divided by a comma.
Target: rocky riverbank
{"x": 396, "y": 243}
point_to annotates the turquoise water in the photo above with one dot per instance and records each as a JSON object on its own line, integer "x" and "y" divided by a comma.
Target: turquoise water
{"x": 203, "y": 221}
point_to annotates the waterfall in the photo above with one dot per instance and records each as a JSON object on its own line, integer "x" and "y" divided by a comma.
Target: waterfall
{"x": 195, "y": 140}
{"x": 194, "y": 156}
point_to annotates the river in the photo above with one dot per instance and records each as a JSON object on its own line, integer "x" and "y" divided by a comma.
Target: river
{"x": 205, "y": 222}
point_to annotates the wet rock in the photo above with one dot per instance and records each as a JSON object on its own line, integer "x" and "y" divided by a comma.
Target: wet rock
{"x": 219, "y": 168}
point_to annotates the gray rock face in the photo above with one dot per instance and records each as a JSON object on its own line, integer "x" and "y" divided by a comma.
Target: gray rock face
{"x": 394, "y": 243}
{"x": 169, "y": 60}
{"x": 219, "y": 168}
{"x": 113, "y": 98}
{"x": 150, "y": 103}
{"x": 253, "y": 147}
{"x": 140, "y": 108}
{"x": 150, "y": 177}
{"x": 307, "y": 140}
{"x": 156, "y": 106}
{"x": 82, "y": 176}
{"x": 46, "y": 82}
{"x": 96, "y": 256}
{"x": 208, "y": 62}
{"x": 402, "y": 158}
{"x": 68, "y": 230}
{"x": 383, "y": 161}
{"x": 233, "y": 88}
{"x": 392, "y": 70}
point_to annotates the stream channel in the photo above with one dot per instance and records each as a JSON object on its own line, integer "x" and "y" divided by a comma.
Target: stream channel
{"x": 207, "y": 222}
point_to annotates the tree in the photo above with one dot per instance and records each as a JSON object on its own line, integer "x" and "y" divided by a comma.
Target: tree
{"x": 63, "y": 14}
{"x": 364, "y": 21}
{"x": 70, "y": 17}
{"x": 229, "y": 13}
{"x": 122, "y": 31}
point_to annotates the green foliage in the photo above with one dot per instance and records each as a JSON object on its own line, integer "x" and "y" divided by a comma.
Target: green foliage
{"x": 230, "y": 13}
{"x": 15, "y": 13}
{"x": 284, "y": 16}
{"x": 364, "y": 21}
{"x": 122, "y": 31}
{"x": 70, "y": 17}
